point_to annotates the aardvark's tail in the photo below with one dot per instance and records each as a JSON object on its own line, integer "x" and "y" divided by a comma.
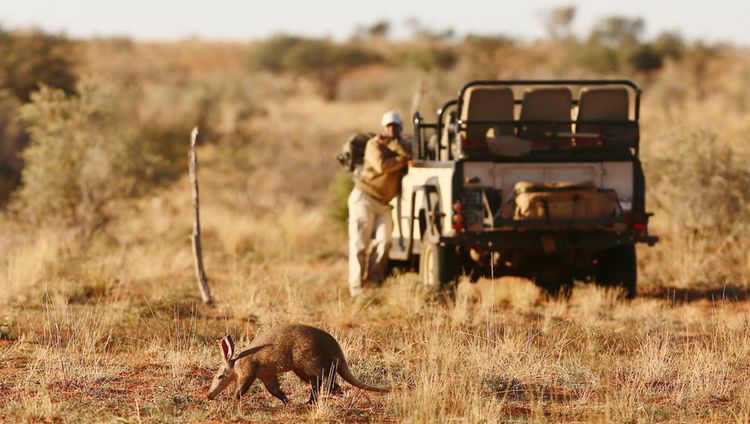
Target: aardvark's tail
{"x": 346, "y": 374}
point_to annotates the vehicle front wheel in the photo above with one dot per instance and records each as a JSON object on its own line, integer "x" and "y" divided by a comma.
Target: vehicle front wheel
{"x": 437, "y": 266}
{"x": 617, "y": 267}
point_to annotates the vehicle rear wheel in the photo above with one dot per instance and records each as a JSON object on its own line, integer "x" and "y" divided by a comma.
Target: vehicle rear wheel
{"x": 436, "y": 267}
{"x": 617, "y": 267}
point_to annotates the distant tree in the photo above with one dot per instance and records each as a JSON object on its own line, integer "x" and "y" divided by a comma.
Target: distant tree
{"x": 557, "y": 22}
{"x": 421, "y": 32}
{"x": 669, "y": 44}
{"x": 615, "y": 43}
{"x": 615, "y": 31}
{"x": 379, "y": 29}
{"x": 485, "y": 53}
{"x": 641, "y": 57}
{"x": 270, "y": 54}
{"x": 488, "y": 42}
{"x": 430, "y": 57}
{"x": 13, "y": 138}
{"x": 33, "y": 57}
{"x": 319, "y": 59}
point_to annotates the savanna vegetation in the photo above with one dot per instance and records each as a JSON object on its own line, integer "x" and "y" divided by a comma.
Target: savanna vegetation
{"x": 100, "y": 317}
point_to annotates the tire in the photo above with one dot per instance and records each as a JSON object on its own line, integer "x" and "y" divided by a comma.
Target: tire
{"x": 436, "y": 267}
{"x": 617, "y": 267}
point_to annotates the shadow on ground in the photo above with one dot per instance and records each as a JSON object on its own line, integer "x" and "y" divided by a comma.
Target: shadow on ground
{"x": 688, "y": 295}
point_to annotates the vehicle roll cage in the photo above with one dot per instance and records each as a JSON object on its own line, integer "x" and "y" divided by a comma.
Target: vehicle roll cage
{"x": 419, "y": 148}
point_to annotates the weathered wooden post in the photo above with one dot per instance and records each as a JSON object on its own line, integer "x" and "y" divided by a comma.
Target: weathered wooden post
{"x": 200, "y": 273}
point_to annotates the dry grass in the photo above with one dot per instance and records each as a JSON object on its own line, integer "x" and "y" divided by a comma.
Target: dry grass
{"x": 111, "y": 329}
{"x": 499, "y": 351}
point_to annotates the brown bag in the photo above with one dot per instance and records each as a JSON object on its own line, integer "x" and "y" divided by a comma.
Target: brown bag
{"x": 352, "y": 153}
{"x": 554, "y": 201}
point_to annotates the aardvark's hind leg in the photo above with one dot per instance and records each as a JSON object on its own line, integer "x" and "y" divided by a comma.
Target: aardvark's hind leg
{"x": 312, "y": 381}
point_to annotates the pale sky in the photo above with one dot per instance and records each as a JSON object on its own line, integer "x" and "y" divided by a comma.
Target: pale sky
{"x": 714, "y": 20}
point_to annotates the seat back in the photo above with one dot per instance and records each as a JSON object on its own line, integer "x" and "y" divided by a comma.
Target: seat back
{"x": 447, "y": 133}
{"x": 487, "y": 104}
{"x": 601, "y": 104}
{"x": 545, "y": 104}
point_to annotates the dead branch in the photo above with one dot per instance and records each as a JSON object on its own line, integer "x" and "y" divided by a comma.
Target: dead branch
{"x": 200, "y": 273}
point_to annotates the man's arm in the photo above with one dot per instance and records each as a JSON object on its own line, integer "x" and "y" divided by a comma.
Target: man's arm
{"x": 397, "y": 147}
{"x": 374, "y": 158}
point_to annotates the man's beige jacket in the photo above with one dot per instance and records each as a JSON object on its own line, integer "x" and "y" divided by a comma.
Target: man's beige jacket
{"x": 381, "y": 174}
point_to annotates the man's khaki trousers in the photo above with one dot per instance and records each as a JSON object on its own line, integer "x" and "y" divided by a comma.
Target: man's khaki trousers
{"x": 370, "y": 228}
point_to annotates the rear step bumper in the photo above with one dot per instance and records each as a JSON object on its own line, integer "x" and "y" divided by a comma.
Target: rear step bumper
{"x": 548, "y": 241}
{"x": 536, "y": 241}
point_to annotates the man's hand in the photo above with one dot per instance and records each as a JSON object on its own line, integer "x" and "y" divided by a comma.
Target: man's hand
{"x": 395, "y": 146}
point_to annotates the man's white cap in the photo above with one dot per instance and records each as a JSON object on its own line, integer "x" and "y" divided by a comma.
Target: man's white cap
{"x": 391, "y": 117}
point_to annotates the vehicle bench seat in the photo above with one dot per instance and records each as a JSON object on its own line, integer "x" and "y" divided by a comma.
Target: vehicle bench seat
{"x": 603, "y": 112}
{"x": 487, "y": 104}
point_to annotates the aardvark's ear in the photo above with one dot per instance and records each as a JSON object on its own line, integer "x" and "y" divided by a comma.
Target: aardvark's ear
{"x": 227, "y": 348}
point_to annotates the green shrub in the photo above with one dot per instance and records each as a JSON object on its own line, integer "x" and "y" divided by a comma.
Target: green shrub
{"x": 340, "y": 188}
{"x": 84, "y": 154}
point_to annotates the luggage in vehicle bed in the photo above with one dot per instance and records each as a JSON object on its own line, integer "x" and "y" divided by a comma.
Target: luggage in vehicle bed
{"x": 563, "y": 201}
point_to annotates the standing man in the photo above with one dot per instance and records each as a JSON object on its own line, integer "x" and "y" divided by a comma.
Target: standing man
{"x": 369, "y": 211}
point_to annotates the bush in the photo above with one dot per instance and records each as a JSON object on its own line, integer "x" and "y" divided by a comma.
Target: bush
{"x": 703, "y": 184}
{"x": 699, "y": 189}
{"x": 83, "y": 155}
{"x": 26, "y": 60}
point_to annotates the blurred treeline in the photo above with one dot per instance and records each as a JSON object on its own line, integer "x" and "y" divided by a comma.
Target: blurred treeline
{"x": 88, "y": 124}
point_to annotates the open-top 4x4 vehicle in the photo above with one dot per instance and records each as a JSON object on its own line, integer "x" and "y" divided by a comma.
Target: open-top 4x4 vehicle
{"x": 539, "y": 179}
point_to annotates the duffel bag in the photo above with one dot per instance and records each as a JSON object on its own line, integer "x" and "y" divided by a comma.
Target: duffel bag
{"x": 553, "y": 201}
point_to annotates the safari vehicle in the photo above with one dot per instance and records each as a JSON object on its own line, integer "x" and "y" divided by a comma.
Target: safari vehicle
{"x": 539, "y": 179}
